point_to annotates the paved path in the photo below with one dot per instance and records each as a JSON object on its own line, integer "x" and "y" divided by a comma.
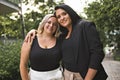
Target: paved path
{"x": 112, "y": 68}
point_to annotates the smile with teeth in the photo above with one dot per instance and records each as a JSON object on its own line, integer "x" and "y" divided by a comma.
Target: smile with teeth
{"x": 63, "y": 21}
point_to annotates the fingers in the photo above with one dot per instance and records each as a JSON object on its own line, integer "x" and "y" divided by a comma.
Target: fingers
{"x": 31, "y": 34}
{"x": 31, "y": 41}
{"x": 26, "y": 38}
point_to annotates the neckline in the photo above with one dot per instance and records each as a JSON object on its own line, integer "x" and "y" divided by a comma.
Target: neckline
{"x": 46, "y": 48}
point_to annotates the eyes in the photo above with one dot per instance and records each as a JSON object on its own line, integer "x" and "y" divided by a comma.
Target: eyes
{"x": 53, "y": 23}
{"x": 61, "y": 15}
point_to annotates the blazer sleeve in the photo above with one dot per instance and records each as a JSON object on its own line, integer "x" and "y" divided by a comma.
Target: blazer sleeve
{"x": 95, "y": 46}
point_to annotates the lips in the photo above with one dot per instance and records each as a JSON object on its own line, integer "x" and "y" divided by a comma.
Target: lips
{"x": 63, "y": 21}
{"x": 51, "y": 29}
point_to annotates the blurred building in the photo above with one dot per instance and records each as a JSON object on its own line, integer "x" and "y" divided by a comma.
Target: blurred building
{"x": 9, "y": 6}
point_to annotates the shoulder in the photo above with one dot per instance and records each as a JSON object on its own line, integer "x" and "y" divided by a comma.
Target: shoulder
{"x": 84, "y": 22}
{"x": 60, "y": 39}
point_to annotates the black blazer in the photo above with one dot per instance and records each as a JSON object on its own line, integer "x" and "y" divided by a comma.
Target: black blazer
{"x": 89, "y": 51}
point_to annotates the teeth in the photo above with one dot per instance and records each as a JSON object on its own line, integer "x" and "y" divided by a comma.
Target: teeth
{"x": 63, "y": 21}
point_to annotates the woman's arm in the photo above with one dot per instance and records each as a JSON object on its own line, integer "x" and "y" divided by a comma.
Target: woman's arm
{"x": 95, "y": 46}
{"x": 30, "y": 35}
{"x": 95, "y": 50}
{"x": 25, "y": 50}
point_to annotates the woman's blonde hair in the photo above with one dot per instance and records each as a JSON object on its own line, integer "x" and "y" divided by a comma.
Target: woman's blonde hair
{"x": 43, "y": 22}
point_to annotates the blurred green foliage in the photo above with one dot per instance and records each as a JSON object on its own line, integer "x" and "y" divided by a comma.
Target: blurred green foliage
{"x": 106, "y": 15}
{"x": 9, "y": 59}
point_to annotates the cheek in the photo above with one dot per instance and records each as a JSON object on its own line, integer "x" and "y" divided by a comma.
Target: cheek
{"x": 44, "y": 26}
{"x": 69, "y": 21}
{"x": 58, "y": 20}
{"x": 54, "y": 29}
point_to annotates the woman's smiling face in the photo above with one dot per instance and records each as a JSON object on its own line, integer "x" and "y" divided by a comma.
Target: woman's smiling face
{"x": 51, "y": 25}
{"x": 63, "y": 18}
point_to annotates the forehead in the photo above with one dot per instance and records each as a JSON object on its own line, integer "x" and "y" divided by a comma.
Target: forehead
{"x": 60, "y": 11}
{"x": 52, "y": 19}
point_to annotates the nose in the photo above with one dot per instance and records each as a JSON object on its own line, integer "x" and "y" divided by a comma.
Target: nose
{"x": 51, "y": 25}
{"x": 62, "y": 17}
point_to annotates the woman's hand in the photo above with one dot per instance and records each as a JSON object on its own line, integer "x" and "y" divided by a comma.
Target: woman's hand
{"x": 90, "y": 74}
{"x": 30, "y": 35}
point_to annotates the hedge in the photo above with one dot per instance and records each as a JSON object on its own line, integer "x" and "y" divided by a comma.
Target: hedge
{"x": 9, "y": 59}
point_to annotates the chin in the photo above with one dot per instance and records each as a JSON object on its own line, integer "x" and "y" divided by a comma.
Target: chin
{"x": 64, "y": 25}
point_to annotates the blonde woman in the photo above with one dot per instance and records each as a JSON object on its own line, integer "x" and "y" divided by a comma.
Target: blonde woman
{"x": 43, "y": 52}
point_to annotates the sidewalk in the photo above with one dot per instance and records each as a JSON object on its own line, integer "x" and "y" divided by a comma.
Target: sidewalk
{"x": 112, "y": 68}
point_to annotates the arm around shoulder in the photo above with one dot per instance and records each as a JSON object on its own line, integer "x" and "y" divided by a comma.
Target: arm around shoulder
{"x": 31, "y": 34}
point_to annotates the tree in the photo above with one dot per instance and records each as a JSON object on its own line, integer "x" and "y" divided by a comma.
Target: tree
{"x": 33, "y": 18}
{"x": 9, "y": 27}
{"x": 106, "y": 15}
{"x": 13, "y": 28}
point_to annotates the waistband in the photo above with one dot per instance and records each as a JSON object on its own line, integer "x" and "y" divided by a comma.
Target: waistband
{"x": 47, "y": 68}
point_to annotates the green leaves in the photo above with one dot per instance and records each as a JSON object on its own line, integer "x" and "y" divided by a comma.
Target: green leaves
{"x": 14, "y": 29}
{"x": 106, "y": 15}
{"x": 9, "y": 59}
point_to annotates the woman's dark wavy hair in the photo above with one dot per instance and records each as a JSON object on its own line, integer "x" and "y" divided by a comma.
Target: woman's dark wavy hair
{"x": 73, "y": 15}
